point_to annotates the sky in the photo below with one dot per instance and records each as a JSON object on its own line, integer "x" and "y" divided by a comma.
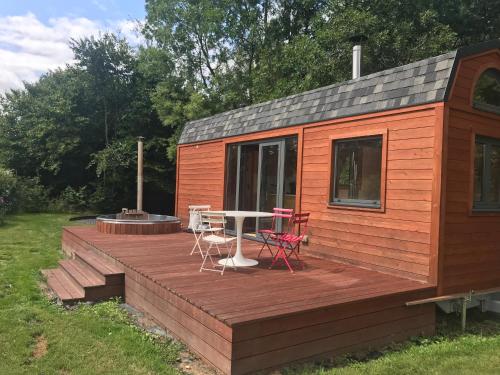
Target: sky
{"x": 34, "y": 34}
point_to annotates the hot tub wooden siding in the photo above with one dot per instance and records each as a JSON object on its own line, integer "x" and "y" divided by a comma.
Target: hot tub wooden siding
{"x": 161, "y": 227}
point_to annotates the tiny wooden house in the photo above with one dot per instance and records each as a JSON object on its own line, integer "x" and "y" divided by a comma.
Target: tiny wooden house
{"x": 400, "y": 169}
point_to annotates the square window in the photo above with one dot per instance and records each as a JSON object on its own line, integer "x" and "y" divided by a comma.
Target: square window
{"x": 487, "y": 174}
{"x": 357, "y": 169}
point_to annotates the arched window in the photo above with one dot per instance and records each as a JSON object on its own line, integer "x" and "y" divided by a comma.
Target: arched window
{"x": 487, "y": 91}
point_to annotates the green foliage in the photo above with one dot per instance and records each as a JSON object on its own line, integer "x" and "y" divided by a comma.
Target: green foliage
{"x": 110, "y": 66}
{"x": 88, "y": 339}
{"x": 219, "y": 55}
{"x": 396, "y": 33}
{"x": 7, "y": 189}
{"x": 74, "y": 130}
{"x": 31, "y": 196}
{"x": 77, "y": 126}
{"x": 71, "y": 200}
{"x": 175, "y": 107}
{"x": 20, "y": 194}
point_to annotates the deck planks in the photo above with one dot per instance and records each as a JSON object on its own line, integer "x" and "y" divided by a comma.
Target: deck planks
{"x": 236, "y": 321}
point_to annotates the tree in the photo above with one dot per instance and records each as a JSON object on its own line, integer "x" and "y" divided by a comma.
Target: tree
{"x": 109, "y": 64}
{"x": 42, "y": 132}
{"x": 77, "y": 127}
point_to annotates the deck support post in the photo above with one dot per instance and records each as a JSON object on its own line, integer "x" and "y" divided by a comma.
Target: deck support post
{"x": 464, "y": 313}
{"x": 465, "y": 301}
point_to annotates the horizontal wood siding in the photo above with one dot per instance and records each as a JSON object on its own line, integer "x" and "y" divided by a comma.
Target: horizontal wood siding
{"x": 111, "y": 227}
{"x": 331, "y": 332}
{"x": 396, "y": 240}
{"x": 200, "y": 177}
{"x": 471, "y": 255}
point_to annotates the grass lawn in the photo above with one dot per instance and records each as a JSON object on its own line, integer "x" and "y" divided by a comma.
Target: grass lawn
{"x": 38, "y": 337}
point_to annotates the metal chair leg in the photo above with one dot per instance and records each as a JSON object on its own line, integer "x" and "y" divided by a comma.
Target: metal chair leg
{"x": 283, "y": 255}
{"x": 197, "y": 245}
{"x": 228, "y": 257}
{"x": 266, "y": 243}
{"x": 205, "y": 259}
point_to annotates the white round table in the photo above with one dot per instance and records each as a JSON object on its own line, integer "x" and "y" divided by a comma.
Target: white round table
{"x": 239, "y": 217}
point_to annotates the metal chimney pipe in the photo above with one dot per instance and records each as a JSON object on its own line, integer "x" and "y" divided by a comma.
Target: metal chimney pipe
{"x": 140, "y": 171}
{"x": 356, "y": 62}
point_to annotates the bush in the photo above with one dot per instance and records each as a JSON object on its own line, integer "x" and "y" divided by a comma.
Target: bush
{"x": 20, "y": 194}
{"x": 8, "y": 184}
{"x": 71, "y": 200}
{"x": 3, "y": 210}
{"x": 31, "y": 196}
{"x": 23, "y": 194}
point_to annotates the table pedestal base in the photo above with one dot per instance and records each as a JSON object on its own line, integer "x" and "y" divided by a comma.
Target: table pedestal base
{"x": 238, "y": 262}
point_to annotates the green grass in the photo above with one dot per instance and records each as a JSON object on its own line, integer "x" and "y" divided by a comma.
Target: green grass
{"x": 97, "y": 339}
{"x": 100, "y": 339}
{"x": 449, "y": 352}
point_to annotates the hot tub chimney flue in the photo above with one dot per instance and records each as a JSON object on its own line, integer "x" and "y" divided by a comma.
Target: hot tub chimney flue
{"x": 140, "y": 172}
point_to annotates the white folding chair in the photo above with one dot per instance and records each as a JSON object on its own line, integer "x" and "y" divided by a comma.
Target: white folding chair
{"x": 194, "y": 225}
{"x": 213, "y": 232}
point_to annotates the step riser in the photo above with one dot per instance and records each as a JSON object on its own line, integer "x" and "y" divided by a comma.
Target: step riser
{"x": 104, "y": 292}
{"x": 97, "y": 293}
{"x": 106, "y": 279}
{"x": 85, "y": 277}
{"x": 66, "y": 301}
{"x": 55, "y": 284}
{"x": 84, "y": 264}
{"x": 70, "y": 275}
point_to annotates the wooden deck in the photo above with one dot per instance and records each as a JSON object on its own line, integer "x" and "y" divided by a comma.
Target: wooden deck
{"x": 256, "y": 318}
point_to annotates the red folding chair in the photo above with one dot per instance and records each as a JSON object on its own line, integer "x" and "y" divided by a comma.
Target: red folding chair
{"x": 289, "y": 243}
{"x": 272, "y": 234}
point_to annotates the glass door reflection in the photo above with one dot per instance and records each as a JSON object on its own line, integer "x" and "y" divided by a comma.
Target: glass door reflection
{"x": 270, "y": 194}
{"x": 259, "y": 177}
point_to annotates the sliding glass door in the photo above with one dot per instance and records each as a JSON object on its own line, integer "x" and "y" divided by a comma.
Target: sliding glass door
{"x": 259, "y": 177}
{"x": 270, "y": 194}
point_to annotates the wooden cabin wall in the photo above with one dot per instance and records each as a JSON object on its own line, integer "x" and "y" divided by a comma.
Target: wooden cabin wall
{"x": 396, "y": 239}
{"x": 470, "y": 252}
{"x": 200, "y": 177}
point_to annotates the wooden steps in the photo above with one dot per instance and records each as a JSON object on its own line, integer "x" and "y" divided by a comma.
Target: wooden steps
{"x": 63, "y": 286}
{"x": 87, "y": 277}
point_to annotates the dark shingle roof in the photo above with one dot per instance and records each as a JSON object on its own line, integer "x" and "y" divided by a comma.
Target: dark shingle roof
{"x": 421, "y": 82}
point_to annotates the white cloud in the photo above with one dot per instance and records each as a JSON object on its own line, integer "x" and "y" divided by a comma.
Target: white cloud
{"x": 29, "y": 48}
{"x": 130, "y": 30}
